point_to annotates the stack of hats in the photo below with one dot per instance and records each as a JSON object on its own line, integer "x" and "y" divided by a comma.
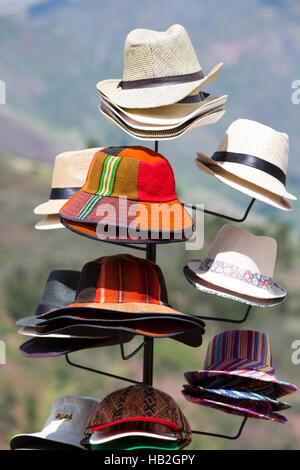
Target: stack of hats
{"x": 69, "y": 174}
{"x": 138, "y": 417}
{"x": 129, "y": 196}
{"x": 160, "y": 96}
{"x": 114, "y": 299}
{"x": 238, "y": 266}
{"x": 239, "y": 377}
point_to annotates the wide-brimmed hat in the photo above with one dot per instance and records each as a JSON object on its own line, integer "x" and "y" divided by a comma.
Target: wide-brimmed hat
{"x": 241, "y": 353}
{"x": 160, "y": 68}
{"x": 69, "y": 174}
{"x": 50, "y": 222}
{"x": 252, "y": 158}
{"x": 140, "y": 403}
{"x": 211, "y": 117}
{"x": 66, "y": 424}
{"x": 239, "y": 266}
{"x": 194, "y": 105}
{"x": 258, "y": 410}
{"x": 233, "y": 397}
{"x": 125, "y": 293}
{"x": 129, "y": 194}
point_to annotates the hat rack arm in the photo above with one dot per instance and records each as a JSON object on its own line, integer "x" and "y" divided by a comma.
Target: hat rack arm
{"x": 227, "y": 320}
{"x": 223, "y": 216}
{"x": 223, "y": 436}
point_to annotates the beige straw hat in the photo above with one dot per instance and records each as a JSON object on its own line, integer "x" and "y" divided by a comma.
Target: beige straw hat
{"x": 252, "y": 158}
{"x": 50, "y": 222}
{"x": 239, "y": 264}
{"x": 160, "y": 68}
{"x": 69, "y": 174}
{"x": 210, "y": 118}
{"x": 167, "y": 117}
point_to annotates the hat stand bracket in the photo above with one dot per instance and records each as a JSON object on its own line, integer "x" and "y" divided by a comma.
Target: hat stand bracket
{"x": 223, "y": 216}
{"x": 228, "y": 320}
{"x": 223, "y": 436}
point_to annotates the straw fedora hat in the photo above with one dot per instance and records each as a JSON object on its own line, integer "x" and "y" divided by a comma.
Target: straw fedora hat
{"x": 240, "y": 263}
{"x": 160, "y": 68}
{"x": 195, "y": 104}
{"x": 69, "y": 174}
{"x": 50, "y": 222}
{"x": 252, "y": 158}
{"x": 210, "y": 118}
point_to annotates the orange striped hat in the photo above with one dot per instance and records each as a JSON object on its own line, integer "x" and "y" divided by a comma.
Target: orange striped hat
{"x": 129, "y": 194}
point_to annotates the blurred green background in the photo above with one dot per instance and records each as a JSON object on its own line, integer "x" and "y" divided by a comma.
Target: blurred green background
{"x": 52, "y": 53}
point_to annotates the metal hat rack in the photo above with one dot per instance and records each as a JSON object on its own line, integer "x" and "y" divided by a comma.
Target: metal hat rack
{"x": 148, "y": 344}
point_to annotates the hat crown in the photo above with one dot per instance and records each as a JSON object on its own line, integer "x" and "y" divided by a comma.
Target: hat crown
{"x": 255, "y": 139}
{"x": 137, "y": 173}
{"x": 240, "y": 350}
{"x": 154, "y": 54}
{"x": 60, "y": 290}
{"x": 121, "y": 279}
{"x": 245, "y": 250}
{"x": 70, "y": 168}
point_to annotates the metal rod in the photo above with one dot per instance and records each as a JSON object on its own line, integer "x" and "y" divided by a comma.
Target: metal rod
{"x": 223, "y": 216}
{"x": 223, "y": 436}
{"x": 156, "y": 146}
{"x": 89, "y": 369}
{"x": 228, "y": 320}
{"x": 148, "y": 348}
{"x": 129, "y": 356}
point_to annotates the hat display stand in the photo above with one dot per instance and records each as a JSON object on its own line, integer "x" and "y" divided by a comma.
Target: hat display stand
{"x": 222, "y": 216}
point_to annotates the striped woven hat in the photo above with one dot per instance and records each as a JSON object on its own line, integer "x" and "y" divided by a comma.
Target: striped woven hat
{"x": 243, "y": 353}
{"x": 129, "y": 194}
{"x": 140, "y": 403}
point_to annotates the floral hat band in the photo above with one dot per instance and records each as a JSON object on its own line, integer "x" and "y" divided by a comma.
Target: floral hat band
{"x": 236, "y": 272}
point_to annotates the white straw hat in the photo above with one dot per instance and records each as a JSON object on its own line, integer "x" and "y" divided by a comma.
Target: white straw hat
{"x": 69, "y": 174}
{"x": 209, "y": 118}
{"x": 66, "y": 424}
{"x": 50, "y": 222}
{"x": 252, "y": 158}
{"x": 167, "y": 117}
{"x": 239, "y": 264}
{"x": 160, "y": 68}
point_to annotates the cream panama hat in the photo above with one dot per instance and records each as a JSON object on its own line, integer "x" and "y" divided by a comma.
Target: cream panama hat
{"x": 239, "y": 266}
{"x": 160, "y": 68}
{"x": 252, "y": 158}
{"x": 167, "y": 117}
{"x": 66, "y": 424}
{"x": 69, "y": 174}
{"x": 50, "y": 222}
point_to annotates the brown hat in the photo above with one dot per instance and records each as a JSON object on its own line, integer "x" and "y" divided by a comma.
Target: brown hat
{"x": 139, "y": 403}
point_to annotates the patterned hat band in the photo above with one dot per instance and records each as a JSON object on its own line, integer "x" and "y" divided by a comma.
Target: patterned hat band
{"x": 236, "y": 364}
{"x": 236, "y": 272}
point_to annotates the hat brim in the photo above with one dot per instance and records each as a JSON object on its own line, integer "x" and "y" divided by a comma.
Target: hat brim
{"x": 52, "y": 206}
{"x": 50, "y": 222}
{"x": 208, "y": 288}
{"x": 152, "y": 97}
{"x": 131, "y": 219}
{"x": 250, "y": 181}
{"x": 94, "y": 440}
{"x": 164, "y": 117}
{"x": 222, "y": 284}
{"x": 54, "y": 347}
{"x": 235, "y": 395}
{"x": 234, "y": 409}
{"x": 209, "y": 118}
{"x": 39, "y": 441}
{"x": 282, "y": 388}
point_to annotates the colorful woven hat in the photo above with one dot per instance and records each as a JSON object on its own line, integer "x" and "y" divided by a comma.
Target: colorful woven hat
{"x": 259, "y": 410}
{"x": 239, "y": 266}
{"x": 253, "y": 159}
{"x": 69, "y": 174}
{"x": 160, "y": 68}
{"x": 66, "y": 424}
{"x": 242, "y": 353}
{"x": 126, "y": 293}
{"x": 129, "y": 194}
{"x": 141, "y": 403}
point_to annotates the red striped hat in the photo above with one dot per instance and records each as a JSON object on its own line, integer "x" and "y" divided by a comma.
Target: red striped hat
{"x": 243, "y": 353}
{"x": 131, "y": 192}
